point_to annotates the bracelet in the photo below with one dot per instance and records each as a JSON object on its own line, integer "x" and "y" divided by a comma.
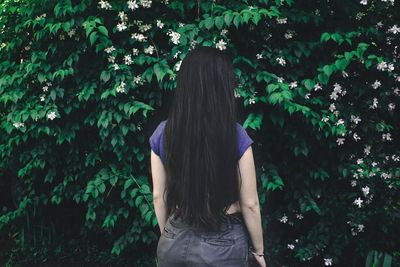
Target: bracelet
{"x": 259, "y": 255}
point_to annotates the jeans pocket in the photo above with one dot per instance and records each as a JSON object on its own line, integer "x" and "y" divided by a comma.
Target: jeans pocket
{"x": 222, "y": 242}
{"x": 169, "y": 230}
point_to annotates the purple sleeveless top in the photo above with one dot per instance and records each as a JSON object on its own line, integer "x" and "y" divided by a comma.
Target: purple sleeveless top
{"x": 156, "y": 140}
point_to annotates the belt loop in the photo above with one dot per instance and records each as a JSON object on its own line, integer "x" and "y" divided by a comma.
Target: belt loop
{"x": 229, "y": 223}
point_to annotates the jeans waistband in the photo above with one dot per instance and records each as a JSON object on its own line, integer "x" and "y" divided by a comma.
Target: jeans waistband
{"x": 232, "y": 218}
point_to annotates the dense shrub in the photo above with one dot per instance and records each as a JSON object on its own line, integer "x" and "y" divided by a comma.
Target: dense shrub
{"x": 84, "y": 83}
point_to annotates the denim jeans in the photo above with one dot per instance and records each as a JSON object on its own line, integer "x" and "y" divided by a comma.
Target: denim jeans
{"x": 181, "y": 245}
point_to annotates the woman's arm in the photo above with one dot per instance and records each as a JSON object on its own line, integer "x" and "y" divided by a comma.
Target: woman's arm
{"x": 249, "y": 202}
{"x": 159, "y": 177}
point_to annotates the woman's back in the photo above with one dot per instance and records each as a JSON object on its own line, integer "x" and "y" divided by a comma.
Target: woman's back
{"x": 204, "y": 181}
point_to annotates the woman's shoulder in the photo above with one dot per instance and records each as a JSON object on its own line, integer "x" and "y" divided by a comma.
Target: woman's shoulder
{"x": 243, "y": 139}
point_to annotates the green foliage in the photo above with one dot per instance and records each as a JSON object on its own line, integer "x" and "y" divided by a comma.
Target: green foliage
{"x": 79, "y": 80}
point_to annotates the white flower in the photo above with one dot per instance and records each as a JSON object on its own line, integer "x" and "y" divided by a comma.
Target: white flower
{"x": 374, "y": 104}
{"x": 128, "y": 60}
{"x": 149, "y": 50}
{"x": 121, "y": 26}
{"x": 391, "y": 106}
{"x": 111, "y": 59}
{"x": 51, "y": 115}
{"x": 367, "y": 150}
{"x": 307, "y": 96}
{"x": 175, "y": 36}
{"x": 178, "y": 65}
{"x": 293, "y": 84}
{"x": 138, "y": 80}
{"x": 376, "y": 84}
{"x": 224, "y": 31}
{"x": 280, "y": 80}
{"x": 317, "y": 87}
{"x": 365, "y": 190}
{"x": 121, "y": 87}
{"x": 71, "y": 32}
{"x": 340, "y": 141}
{"x": 332, "y": 107}
{"x": 364, "y": 2}
{"x": 299, "y": 216}
{"x": 252, "y": 101}
{"x": 116, "y": 66}
{"x": 291, "y": 246}
{"x": 284, "y": 219}
{"x": 146, "y": 3}
{"x": 358, "y": 201}
{"x": 381, "y": 65}
{"x": 333, "y": 95}
{"x": 259, "y": 56}
{"x": 18, "y": 124}
{"x": 394, "y": 29}
{"x": 45, "y": 88}
{"x": 386, "y": 137}
{"x": 139, "y": 36}
{"x": 337, "y": 87}
{"x": 135, "y": 51}
{"x": 355, "y": 119}
{"x": 281, "y": 61}
{"x": 328, "y": 261}
{"x": 176, "y": 54}
{"x": 325, "y": 119}
{"x": 122, "y": 16}
{"x": 360, "y": 227}
{"x": 109, "y": 49}
{"x": 281, "y": 21}
{"x": 193, "y": 44}
{"x": 104, "y": 4}
{"x": 144, "y": 27}
{"x": 288, "y": 35}
{"x": 221, "y": 45}
{"x": 160, "y": 24}
{"x": 353, "y": 183}
{"x": 132, "y": 5}
{"x": 356, "y": 137}
{"x": 340, "y": 121}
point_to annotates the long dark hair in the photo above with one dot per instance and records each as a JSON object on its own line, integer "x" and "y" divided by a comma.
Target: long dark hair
{"x": 201, "y": 140}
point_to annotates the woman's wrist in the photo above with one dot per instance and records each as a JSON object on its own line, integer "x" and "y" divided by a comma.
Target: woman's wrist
{"x": 259, "y": 253}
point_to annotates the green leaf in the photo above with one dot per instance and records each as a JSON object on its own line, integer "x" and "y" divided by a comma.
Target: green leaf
{"x": 323, "y": 78}
{"x": 328, "y": 70}
{"x": 219, "y": 22}
{"x": 93, "y": 37}
{"x": 237, "y": 20}
{"x": 103, "y": 30}
{"x": 228, "y": 18}
{"x": 105, "y": 76}
{"x": 209, "y": 23}
{"x": 325, "y": 37}
{"x": 309, "y": 84}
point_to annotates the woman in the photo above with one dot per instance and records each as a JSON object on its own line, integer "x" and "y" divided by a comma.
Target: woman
{"x": 204, "y": 179}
